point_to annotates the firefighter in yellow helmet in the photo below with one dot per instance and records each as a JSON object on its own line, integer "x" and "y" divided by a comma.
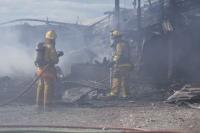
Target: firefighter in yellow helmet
{"x": 121, "y": 67}
{"x": 46, "y": 58}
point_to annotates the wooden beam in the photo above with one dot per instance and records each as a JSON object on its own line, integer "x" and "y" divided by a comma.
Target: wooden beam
{"x": 139, "y": 15}
{"x": 117, "y": 15}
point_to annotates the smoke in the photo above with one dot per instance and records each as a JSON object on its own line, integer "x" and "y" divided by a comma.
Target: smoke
{"x": 17, "y": 49}
{"x": 78, "y": 50}
{"x": 15, "y": 57}
{"x": 83, "y": 55}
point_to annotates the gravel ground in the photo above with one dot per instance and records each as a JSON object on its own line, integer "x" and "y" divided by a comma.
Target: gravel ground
{"x": 154, "y": 116}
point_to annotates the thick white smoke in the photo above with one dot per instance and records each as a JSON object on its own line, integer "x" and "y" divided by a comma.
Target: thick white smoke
{"x": 16, "y": 59}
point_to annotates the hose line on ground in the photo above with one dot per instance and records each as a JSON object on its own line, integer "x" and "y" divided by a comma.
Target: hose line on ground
{"x": 25, "y": 90}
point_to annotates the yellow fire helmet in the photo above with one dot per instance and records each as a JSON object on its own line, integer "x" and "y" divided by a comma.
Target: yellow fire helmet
{"x": 51, "y": 34}
{"x": 115, "y": 33}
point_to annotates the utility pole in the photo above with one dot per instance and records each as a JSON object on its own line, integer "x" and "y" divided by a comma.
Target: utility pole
{"x": 139, "y": 15}
{"x": 171, "y": 17}
{"x": 139, "y": 39}
{"x": 162, "y": 10}
{"x": 117, "y": 15}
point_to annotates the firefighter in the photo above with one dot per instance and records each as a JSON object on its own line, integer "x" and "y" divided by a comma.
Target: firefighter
{"x": 46, "y": 58}
{"x": 121, "y": 66}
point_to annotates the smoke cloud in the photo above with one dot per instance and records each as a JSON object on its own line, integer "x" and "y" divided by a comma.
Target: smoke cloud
{"x": 16, "y": 59}
{"x": 17, "y": 49}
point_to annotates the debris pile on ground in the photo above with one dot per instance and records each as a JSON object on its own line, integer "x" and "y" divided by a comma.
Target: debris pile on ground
{"x": 74, "y": 94}
{"x": 187, "y": 93}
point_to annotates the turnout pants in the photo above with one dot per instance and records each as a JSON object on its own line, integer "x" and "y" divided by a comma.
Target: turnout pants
{"x": 120, "y": 81}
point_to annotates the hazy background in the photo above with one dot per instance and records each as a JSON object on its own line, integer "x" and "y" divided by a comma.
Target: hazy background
{"x": 16, "y": 57}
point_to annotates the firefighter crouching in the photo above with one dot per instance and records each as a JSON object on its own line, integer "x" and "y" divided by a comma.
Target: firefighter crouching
{"x": 46, "y": 58}
{"x": 121, "y": 66}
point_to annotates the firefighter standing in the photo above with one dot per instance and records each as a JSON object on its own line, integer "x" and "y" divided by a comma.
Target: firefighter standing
{"x": 121, "y": 67}
{"x": 46, "y": 58}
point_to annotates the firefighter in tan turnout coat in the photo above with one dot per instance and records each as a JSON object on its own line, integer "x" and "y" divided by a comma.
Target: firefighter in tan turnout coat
{"x": 121, "y": 66}
{"x": 46, "y": 59}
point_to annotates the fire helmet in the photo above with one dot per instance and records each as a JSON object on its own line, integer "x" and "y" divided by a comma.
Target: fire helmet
{"x": 115, "y": 34}
{"x": 51, "y": 34}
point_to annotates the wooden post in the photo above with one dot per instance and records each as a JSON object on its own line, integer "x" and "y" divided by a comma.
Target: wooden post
{"x": 171, "y": 17}
{"x": 117, "y": 15}
{"x": 170, "y": 57}
{"x": 139, "y": 15}
{"x": 139, "y": 39}
{"x": 162, "y": 12}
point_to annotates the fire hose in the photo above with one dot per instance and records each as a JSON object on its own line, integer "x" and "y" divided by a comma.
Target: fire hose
{"x": 25, "y": 90}
{"x": 31, "y": 86}
{"x": 45, "y": 68}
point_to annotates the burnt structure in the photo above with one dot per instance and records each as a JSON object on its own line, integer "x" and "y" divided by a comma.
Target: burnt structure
{"x": 159, "y": 56}
{"x": 165, "y": 56}
{"x": 175, "y": 54}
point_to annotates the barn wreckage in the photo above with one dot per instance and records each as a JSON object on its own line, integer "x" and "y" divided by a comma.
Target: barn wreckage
{"x": 164, "y": 39}
{"x": 164, "y": 42}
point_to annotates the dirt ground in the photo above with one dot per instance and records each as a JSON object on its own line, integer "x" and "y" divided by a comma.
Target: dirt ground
{"x": 153, "y": 116}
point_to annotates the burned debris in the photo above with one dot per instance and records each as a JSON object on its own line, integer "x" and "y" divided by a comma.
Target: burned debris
{"x": 164, "y": 48}
{"x": 187, "y": 93}
{"x": 130, "y": 67}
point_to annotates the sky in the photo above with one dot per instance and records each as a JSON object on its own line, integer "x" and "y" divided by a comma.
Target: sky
{"x": 60, "y": 10}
